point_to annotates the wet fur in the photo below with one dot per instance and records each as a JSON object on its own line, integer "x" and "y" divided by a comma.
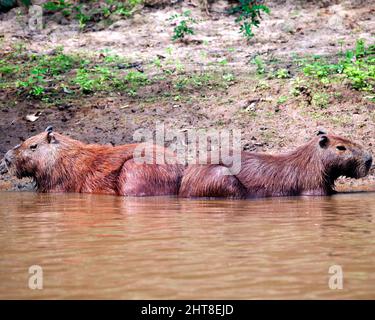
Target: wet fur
{"x": 62, "y": 164}
{"x": 308, "y": 170}
{"x": 68, "y": 165}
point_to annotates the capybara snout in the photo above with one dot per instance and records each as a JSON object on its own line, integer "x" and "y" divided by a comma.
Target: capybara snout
{"x": 7, "y": 161}
{"x": 34, "y": 154}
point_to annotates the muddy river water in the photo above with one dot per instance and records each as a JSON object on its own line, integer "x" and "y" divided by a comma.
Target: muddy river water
{"x": 91, "y": 246}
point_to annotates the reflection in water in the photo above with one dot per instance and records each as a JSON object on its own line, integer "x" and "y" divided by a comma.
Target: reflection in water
{"x": 158, "y": 248}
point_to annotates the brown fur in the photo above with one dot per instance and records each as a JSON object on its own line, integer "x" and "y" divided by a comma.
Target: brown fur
{"x": 309, "y": 170}
{"x": 61, "y": 164}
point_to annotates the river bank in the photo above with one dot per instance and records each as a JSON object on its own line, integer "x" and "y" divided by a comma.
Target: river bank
{"x": 109, "y": 81}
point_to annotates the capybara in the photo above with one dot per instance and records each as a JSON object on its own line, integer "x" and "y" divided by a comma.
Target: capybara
{"x": 311, "y": 169}
{"x": 58, "y": 163}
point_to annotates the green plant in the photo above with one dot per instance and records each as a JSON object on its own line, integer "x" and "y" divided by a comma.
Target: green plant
{"x": 261, "y": 86}
{"x": 179, "y": 66}
{"x": 360, "y": 48}
{"x": 7, "y": 69}
{"x": 260, "y": 66}
{"x": 84, "y": 81}
{"x": 34, "y": 84}
{"x": 157, "y": 63}
{"x": 223, "y": 62}
{"x": 97, "y": 9}
{"x": 82, "y": 17}
{"x": 58, "y": 64}
{"x": 229, "y": 77}
{"x": 195, "y": 80}
{"x": 200, "y": 79}
{"x": 282, "y": 74}
{"x": 249, "y": 15}
{"x": 134, "y": 80}
{"x": 123, "y": 8}
{"x": 182, "y": 28}
{"x": 298, "y": 86}
{"x": 37, "y": 91}
{"x": 282, "y": 99}
{"x": 357, "y": 67}
{"x": 320, "y": 100}
{"x": 58, "y": 5}
{"x": 100, "y": 78}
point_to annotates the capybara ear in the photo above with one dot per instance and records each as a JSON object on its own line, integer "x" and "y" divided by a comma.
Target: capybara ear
{"x": 323, "y": 141}
{"x": 49, "y": 129}
{"x": 51, "y": 137}
{"x": 320, "y": 132}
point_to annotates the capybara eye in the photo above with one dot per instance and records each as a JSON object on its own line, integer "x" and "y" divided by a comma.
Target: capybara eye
{"x": 341, "y": 148}
{"x": 33, "y": 146}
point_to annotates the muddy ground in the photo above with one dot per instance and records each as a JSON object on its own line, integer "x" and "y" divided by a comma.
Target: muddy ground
{"x": 250, "y": 102}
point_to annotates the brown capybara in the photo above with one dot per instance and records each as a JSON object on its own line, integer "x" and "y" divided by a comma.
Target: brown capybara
{"x": 58, "y": 163}
{"x": 311, "y": 169}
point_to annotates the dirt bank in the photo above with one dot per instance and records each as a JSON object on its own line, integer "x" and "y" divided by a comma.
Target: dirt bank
{"x": 229, "y": 91}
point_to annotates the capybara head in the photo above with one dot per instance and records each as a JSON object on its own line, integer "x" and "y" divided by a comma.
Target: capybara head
{"x": 342, "y": 157}
{"x": 36, "y": 154}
